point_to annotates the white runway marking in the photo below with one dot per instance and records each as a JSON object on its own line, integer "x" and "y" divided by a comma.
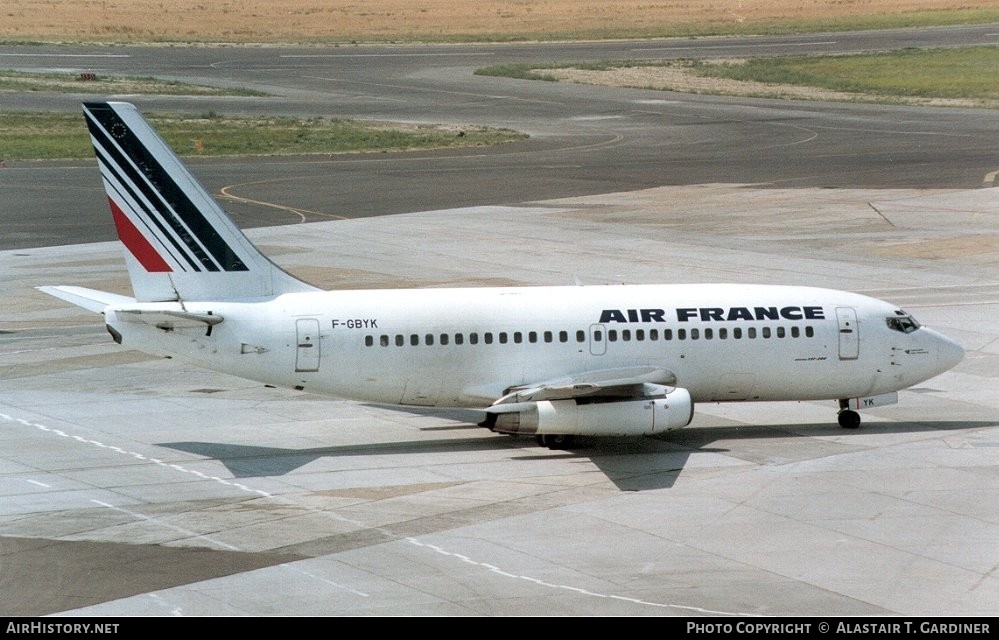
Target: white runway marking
{"x": 156, "y": 521}
{"x": 551, "y": 585}
{"x": 388, "y": 533}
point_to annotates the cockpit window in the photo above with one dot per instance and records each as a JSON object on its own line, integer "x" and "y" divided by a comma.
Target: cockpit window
{"x": 902, "y": 322}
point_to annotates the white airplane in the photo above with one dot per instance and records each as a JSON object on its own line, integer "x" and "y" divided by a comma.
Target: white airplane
{"x": 553, "y": 362}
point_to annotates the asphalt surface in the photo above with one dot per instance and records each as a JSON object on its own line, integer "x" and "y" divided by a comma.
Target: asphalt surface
{"x": 585, "y": 140}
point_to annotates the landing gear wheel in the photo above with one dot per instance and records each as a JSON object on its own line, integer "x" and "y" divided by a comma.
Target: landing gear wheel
{"x": 849, "y": 419}
{"x": 555, "y": 441}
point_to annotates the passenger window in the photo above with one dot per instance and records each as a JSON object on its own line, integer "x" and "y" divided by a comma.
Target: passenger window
{"x": 795, "y": 332}
{"x": 626, "y": 335}
{"x": 400, "y": 340}
{"x": 708, "y": 334}
{"x": 532, "y": 337}
{"x": 598, "y": 336}
{"x": 667, "y": 334}
{"x": 751, "y": 333}
{"x": 502, "y": 337}
{"x": 766, "y": 332}
{"x": 488, "y": 337}
{"x": 809, "y": 332}
{"x": 384, "y": 340}
{"x": 722, "y": 334}
{"x": 780, "y": 332}
{"x": 580, "y": 336}
{"x": 681, "y": 334}
{"x": 473, "y": 338}
{"x": 737, "y": 333}
{"x": 518, "y": 337}
{"x": 369, "y": 341}
{"x": 563, "y": 336}
{"x": 549, "y": 337}
{"x": 444, "y": 338}
{"x": 612, "y": 335}
{"x": 429, "y": 339}
{"x": 653, "y": 334}
{"x": 459, "y": 338}
{"x": 695, "y": 334}
{"x": 414, "y": 340}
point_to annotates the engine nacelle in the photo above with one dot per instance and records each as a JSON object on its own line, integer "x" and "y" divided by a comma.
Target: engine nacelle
{"x": 618, "y": 418}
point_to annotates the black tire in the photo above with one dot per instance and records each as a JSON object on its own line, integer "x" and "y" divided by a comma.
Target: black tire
{"x": 555, "y": 441}
{"x": 849, "y": 419}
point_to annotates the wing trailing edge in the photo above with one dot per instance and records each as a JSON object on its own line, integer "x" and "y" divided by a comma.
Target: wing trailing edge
{"x": 628, "y": 382}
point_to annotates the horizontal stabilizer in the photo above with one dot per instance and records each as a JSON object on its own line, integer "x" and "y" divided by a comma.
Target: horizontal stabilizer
{"x": 169, "y": 319}
{"x": 89, "y": 299}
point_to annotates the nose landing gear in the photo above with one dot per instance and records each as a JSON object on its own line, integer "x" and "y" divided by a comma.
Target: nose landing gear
{"x": 847, "y": 418}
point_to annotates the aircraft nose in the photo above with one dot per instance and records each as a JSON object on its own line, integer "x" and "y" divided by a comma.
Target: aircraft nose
{"x": 949, "y": 352}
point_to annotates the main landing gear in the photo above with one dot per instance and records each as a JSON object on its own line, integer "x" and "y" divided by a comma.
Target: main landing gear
{"x": 848, "y": 418}
{"x": 552, "y": 441}
{"x": 555, "y": 441}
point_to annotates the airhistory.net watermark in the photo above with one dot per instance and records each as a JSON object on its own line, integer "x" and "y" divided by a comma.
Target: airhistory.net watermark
{"x": 60, "y": 627}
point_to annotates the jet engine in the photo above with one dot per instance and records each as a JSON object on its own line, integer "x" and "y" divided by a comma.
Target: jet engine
{"x": 589, "y": 417}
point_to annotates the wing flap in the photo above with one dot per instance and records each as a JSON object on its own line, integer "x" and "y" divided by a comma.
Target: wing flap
{"x": 628, "y": 382}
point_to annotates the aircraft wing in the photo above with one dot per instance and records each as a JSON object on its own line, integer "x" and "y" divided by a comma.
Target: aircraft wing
{"x": 623, "y": 384}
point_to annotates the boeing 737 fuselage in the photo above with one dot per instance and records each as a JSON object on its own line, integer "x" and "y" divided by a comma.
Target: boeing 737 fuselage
{"x": 554, "y": 362}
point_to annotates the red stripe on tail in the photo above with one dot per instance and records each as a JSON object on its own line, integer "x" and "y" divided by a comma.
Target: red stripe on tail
{"x": 136, "y": 243}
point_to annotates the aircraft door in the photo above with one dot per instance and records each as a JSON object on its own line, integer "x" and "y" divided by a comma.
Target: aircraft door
{"x": 598, "y": 339}
{"x": 849, "y": 333}
{"x": 307, "y": 352}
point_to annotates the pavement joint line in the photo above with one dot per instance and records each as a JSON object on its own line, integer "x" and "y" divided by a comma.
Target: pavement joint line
{"x": 382, "y": 530}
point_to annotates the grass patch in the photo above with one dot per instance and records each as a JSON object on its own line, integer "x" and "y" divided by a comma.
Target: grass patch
{"x": 40, "y": 136}
{"x": 962, "y": 74}
{"x": 969, "y": 72}
{"x": 529, "y": 70}
{"x": 888, "y": 20}
{"x": 108, "y": 85}
{"x": 518, "y": 71}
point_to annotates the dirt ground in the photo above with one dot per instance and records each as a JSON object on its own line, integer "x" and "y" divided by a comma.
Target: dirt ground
{"x": 269, "y": 21}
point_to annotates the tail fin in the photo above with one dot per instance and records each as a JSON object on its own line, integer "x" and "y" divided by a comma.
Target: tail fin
{"x": 180, "y": 244}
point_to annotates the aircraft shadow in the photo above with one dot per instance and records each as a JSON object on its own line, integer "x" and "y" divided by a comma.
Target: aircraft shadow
{"x": 632, "y": 464}
{"x": 251, "y": 462}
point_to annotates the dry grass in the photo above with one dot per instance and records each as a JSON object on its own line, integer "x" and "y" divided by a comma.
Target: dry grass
{"x": 679, "y": 78}
{"x": 441, "y": 20}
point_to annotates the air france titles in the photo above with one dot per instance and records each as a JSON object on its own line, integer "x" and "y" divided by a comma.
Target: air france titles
{"x": 714, "y": 314}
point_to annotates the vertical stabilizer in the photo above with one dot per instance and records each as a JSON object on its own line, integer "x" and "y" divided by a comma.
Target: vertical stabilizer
{"x": 179, "y": 243}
